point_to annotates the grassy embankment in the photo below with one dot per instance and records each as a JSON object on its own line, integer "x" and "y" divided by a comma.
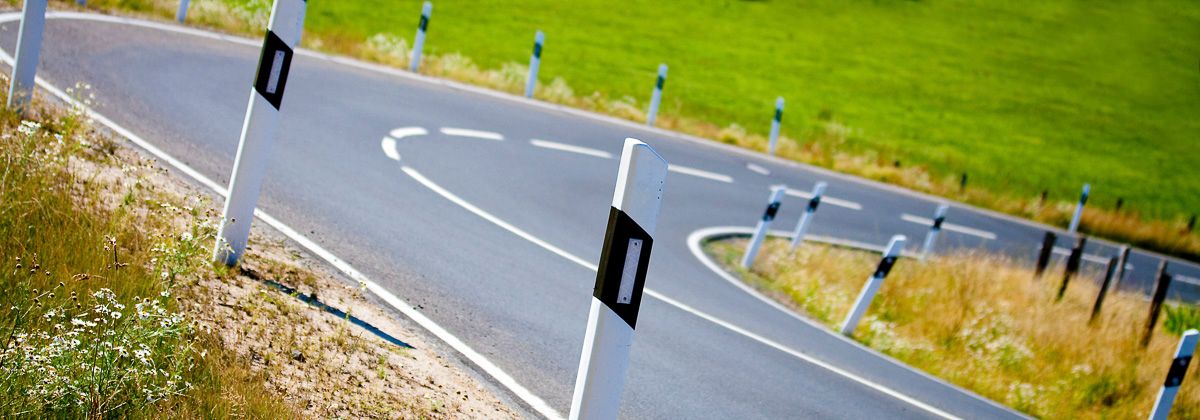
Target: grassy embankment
{"x": 1023, "y": 98}
{"x": 983, "y": 323}
{"x": 112, "y": 310}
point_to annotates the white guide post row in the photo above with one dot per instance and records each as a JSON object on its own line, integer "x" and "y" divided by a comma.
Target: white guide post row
{"x": 29, "y": 46}
{"x": 620, "y": 279}
{"x": 656, "y": 97}
{"x": 764, "y": 224}
{"x": 873, "y": 284}
{"x": 535, "y": 61}
{"x": 259, "y": 128}
{"x": 775, "y": 123}
{"x": 939, "y": 217}
{"x": 181, "y": 14}
{"x": 1178, "y": 369}
{"x": 809, "y": 212}
{"x": 419, "y": 41}
{"x": 1074, "y": 227}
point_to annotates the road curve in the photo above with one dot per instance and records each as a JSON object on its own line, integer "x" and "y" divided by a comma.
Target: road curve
{"x": 487, "y": 213}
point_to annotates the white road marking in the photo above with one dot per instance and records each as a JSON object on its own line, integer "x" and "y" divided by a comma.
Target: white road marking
{"x": 1092, "y": 258}
{"x": 758, "y": 169}
{"x": 825, "y": 199}
{"x": 502, "y": 377}
{"x": 389, "y": 148}
{"x": 949, "y": 226}
{"x": 403, "y": 132}
{"x": 699, "y": 173}
{"x": 1189, "y": 280}
{"x": 463, "y": 132}
{"x": 570, "y": 148}
{"x": 655, "y": 294}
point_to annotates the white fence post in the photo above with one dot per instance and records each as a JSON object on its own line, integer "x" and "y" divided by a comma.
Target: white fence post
{"x": 760, "y": 232}
{"x": 656, "y": 97}
{"x": 1074, "y": 227}
{"x": 29, "y": 46}
{"x": 181, "y": 14}
{"x": 939, "y": 217}
{"x": 535, "y": 61}
{"x": 620, "y": 278}
{"x": 259, "y": 128}
{"x": 775, "y": 123}
{"x": 872, "y": 287}
{"x": 809, "y": 212}
{"x": 419, "y": 40}
{"x": 1179, "y": 366}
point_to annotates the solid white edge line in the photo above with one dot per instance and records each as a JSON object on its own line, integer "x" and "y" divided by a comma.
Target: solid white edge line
{"x": 389, "y": 148}
{"x": 402, "y": 132}
{"x": 466, "y": 132}
{"x": 949, "y": 226}
{"x": 695, "y": 242}
{"x": 1186, "y": 279}
{"x": 826, "y": 199}
{"x": 703, "y": 142}
{"x": 546, "y": 144}
{"x": 502, "y": 377}
{"x": 758, "y": 169}
{"x": 700, "y": 173}
{"x": 655, "y": 294}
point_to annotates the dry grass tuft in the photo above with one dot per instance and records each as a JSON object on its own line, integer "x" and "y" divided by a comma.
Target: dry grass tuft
{"x": 982, "y": 322}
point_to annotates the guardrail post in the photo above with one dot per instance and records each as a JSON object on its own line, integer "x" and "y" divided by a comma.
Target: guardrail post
{"x": 1108, "y": 277}
{"x": 1122, "y": 263}
{"x": 775, "y": 124}
{"x": 535, "y": 61}
{"x": 620, "y": 279}
{"x": 760, "y": 232}
{"x": 809, "y": 213}
{"x": 1074, "y": 227}
{"x": 939, "y": 217}
{"x": 1044, "y": 255}
{"x": 419, "y": 40}
{"x": 259, "y": 128}
{"x": 29, "y": 47}
{"x": 1175, "y": 375}
{"x": 873, "y": 283}
{"x": 1161, "y": 286}
{"x": 181, "y": 14}
{"x": 656, "y": 97}
{"x": 1073, "y": 263}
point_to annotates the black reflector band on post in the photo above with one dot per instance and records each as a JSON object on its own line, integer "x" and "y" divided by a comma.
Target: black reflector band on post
{"x": 424, "y": 24}
{"x": 937, "y": 223}
{"x": 619, "y": 280}
{"x": 812, "y": 204}
{"x": 778, "y": 115}
{"x": 772, "y": 208}
{"x": 659, "y": 83}
{"x": 273, "y": 66}
{"x": 1178, "y": 370}
{"x": 885, "y": 266}
{"x": 537, "y": 49}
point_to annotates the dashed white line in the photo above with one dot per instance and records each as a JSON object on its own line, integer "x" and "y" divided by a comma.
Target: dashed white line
{"x": 389, "y": 148}
{"x": 478, "y": 134}
{"x": 1092, "y": 258}
{"x": 700, "y": 173}
{"x": 403, "y": 132}
{"x": 546, "y": 144}
{"x": 949, "y": 226}
{"x": 1189, "y": 280}
{"x": 825, "y": 199}
{"x": 758, "y": 169}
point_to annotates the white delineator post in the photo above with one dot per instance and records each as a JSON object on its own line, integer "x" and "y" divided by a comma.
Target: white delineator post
{"x": 259, "y": 128}
{"x": 939, "y": 217}
{"x": 872, "y": 287}
{"x": 181, "y": 14}
{"x": 620, "y": 278}
{"x": 29, "y": 46}
{"x": 760, "y": 232}
{"x": 1074, "y": 227}
{"x": 656, "y": 97}
{"x": 419, "y": 40}
{"x": 1179, "y": 366}
{"x": 535, "y": 61}
{"x": 775, "y": 123}
{"x": 809, "y": 212}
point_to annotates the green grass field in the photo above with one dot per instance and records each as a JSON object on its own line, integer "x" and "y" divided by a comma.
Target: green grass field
{"x": 1022, "y": 97}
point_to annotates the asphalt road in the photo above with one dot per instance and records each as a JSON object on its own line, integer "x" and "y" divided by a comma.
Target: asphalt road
{"x": 705, "y": 349}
